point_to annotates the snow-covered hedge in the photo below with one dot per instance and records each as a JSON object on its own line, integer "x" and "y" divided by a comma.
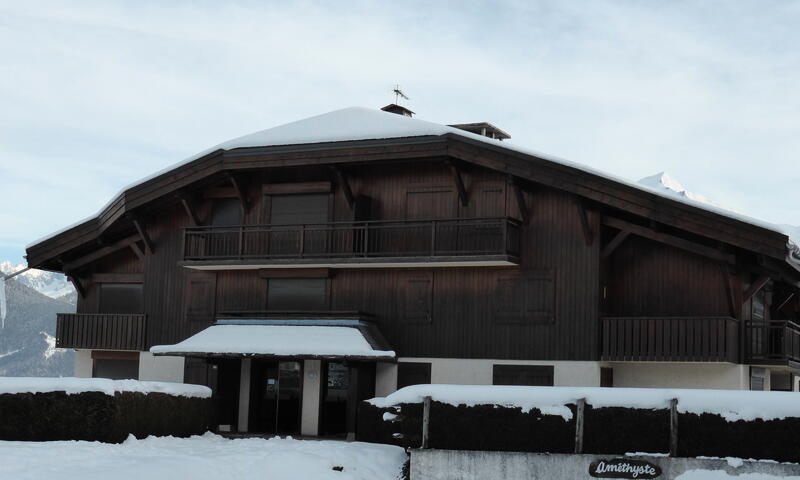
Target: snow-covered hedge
{"x": 41, "y": 409}
{"x": 71, "y": 385}
{"x": 716, "y": 423}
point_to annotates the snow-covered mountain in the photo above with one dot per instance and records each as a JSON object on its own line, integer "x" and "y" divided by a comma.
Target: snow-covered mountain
{"x": 664, "y": 183}
{"x": 53, "y": 285}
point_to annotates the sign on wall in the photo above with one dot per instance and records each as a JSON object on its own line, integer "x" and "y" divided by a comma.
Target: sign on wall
{"x": 624, "y": 468}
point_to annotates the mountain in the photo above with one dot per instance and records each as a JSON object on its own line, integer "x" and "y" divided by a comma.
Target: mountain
{"x": 28, "y": 306}
{"x": 27, "y": 334}
{"x": 54, "y": 285}
{"x": 664, "y": 183}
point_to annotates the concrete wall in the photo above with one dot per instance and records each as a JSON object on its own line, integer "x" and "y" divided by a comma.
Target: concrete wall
{"x": 312, "y": 391}
{"x": 479, "y": 465}
{"x": 385, "y": 378}
{"x": 724, "y": 376}
{"x": 83, "y": 363}
{"x": 160, "y": 369}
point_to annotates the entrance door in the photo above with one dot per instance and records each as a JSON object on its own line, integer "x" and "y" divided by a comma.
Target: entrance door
{"x": 276, "y": 397}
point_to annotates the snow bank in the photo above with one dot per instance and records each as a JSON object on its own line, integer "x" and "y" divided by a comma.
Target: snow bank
{"x": 202, "y": 457}
{"x": 72, "y": 385}
{"x": 732, "y": 405}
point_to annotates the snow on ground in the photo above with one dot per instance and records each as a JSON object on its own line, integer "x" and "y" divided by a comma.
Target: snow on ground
{"x": 730, "y": 404}
{"x": 72, "y": 385}
{"x": 204, "y": 457}
{"x": 723, "y": 475}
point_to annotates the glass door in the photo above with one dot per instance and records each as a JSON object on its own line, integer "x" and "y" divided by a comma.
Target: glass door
{"x": 275, "y": 397}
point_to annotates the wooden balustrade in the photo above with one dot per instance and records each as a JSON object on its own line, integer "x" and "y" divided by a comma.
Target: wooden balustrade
{"x": 103, "y": 331}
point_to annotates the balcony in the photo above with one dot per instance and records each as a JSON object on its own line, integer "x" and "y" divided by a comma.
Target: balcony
{"x": 102, "y": 331}
{"x": 670, "y": 339}
{"x": 773, "y": 343}
{"x": 408, "y": 243}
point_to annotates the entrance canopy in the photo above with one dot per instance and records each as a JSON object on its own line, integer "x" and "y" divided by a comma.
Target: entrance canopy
{"x": 355, "y": 342}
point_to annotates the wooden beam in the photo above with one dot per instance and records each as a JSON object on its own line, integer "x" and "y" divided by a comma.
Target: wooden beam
{"x": 783, "y": 303}
{"x": 76, "y": 282}
{"x": 239, "y": 193}
{"x": 671, "y": 240}
{"x": 520, "y": 196}
{"x": 187, "y": 206}
{"x": 615, "y": 242}
{"x": 755, "y": 287}
{"x": 138, "y": 251}
{"x": 459, "y": 180}
{"x": 148, "y": 244}
{"x": 342, "y": 181}
{"x": 99, "y": 253}
{"x": 583, "y": 215}
{"x": 730, "y": 290}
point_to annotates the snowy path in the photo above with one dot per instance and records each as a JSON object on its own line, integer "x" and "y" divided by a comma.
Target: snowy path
{"x": 206, "y": 457}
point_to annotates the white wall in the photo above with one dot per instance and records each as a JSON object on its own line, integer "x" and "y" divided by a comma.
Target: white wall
{"x": 83, "y": 363}
{"x": 160, "y": 369}
{"x": 724, "y": 376}
{"x": 464, "y": 371}
{"x": 309, "y": 419}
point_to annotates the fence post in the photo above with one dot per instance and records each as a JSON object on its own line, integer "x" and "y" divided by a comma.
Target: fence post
{"x": 433, "y": 237}
{"x": 426, "y": 419}
{"x": 673, "y": 427}
{"x": 579, "y": 425}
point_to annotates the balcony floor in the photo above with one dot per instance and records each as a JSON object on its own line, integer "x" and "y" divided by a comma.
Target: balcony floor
{"x": 372, "y": 262}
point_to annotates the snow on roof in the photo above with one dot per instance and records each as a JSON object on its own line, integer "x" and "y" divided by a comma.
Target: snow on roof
{"x": 732, "y": 405}
{"x": 358, "y": 123}
{"x": 72, "y": 385}
{"x": 277, "y": 340}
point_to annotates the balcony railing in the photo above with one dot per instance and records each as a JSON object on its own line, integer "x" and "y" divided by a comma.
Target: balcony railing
{"x": 456, "y": 240}
{"x": 104, "y": 331}
{"x": 775, "y": 342}
{"x": 670, "y": 339}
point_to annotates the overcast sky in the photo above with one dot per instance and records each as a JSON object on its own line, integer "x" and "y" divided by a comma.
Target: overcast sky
{"x": 95, "y": 95}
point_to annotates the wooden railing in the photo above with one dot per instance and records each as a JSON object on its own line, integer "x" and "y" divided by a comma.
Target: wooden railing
{"x": 772, "y": 342}
{"x": 430, "y": 239}
{"x": 108, "y": 331}
{"x": 670, "y": 339}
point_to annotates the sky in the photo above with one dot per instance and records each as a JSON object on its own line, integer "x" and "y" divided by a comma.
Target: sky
{"x": 97, "y": 94}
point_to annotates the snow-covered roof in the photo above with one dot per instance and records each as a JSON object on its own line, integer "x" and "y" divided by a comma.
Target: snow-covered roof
{"x": 358, "y": 123}
{"x": 277, "y": 340}
{"x": 732, "y": 405}
{"x": 72, "y": 385}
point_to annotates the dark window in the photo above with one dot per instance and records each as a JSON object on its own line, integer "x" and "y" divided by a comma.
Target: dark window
{"x": 226, "y": 212}
{"x": 287, "y": 294}
{"x": 606, "y": 377}
{"x": 120, "y": 298}
{"x": 532, "y": 375}
{"x": 528, "y": 298}
{"x": 116, "y": 369}
{"x": 299, "y": 209}
{"x": 413, "y": 373}
{"x": 758, "y": 378}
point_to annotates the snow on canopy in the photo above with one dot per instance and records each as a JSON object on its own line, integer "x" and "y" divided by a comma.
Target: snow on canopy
{"x": 282, "y": 340}
{"x": 358, "y": 123}
{"x": 732, "y": 405}
{"x": 71, "y": 385}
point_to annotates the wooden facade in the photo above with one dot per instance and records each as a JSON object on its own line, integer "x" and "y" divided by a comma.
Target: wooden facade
{"x": 456, "y": 249}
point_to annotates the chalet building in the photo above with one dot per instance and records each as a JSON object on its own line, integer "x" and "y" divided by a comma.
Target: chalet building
{"x": 304, "y": 268}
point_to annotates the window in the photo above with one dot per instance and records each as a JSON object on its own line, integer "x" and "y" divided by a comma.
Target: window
{"x": 758, "y": 378}
{"x": 418, "y": 297}
{"x": 299, "y": 209}
{"x": 531, "y": 375}
{"x": 527, "y": 298}
{"x": 115, "y": 365}
{"x": 293, "y": 294}
{"x": 120, "y": 298}
{"x": 226, "y": 212}
{"x": 413, "y": 373}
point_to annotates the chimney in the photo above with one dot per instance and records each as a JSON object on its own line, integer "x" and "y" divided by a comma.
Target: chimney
{"x": 483, "y": 128}
{"x": 399, "y": 110}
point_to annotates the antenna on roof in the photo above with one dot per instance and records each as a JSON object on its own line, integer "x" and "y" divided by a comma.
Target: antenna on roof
{"x": 398, "y": 94}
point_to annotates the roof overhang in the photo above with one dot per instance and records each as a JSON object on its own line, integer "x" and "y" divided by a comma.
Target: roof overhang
{"x": 291, "y": 338}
